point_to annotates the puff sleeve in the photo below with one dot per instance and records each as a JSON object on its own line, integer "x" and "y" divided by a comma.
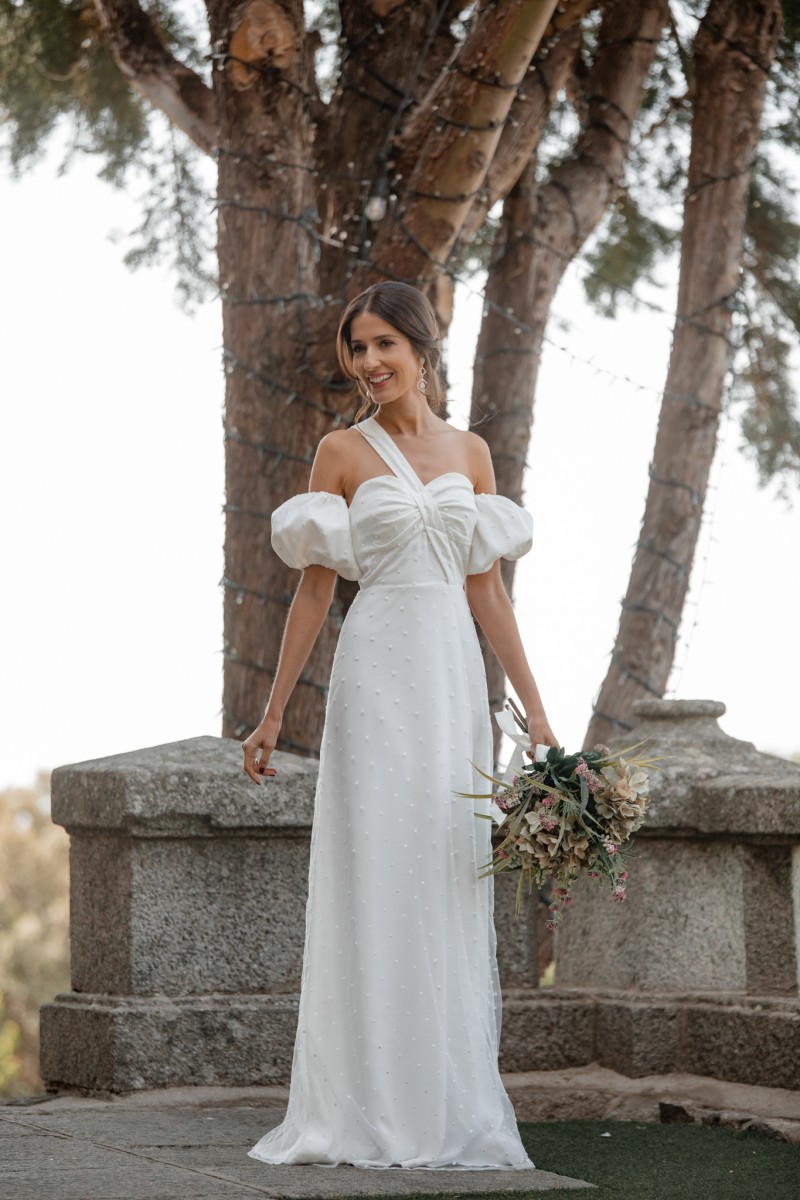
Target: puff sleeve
{"x": 503, "y": 530}
{"x": 314, "y": 527}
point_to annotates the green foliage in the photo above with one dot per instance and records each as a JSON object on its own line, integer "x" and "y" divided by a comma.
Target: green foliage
{"x": 54, "y": 64}
{"x": 763, "y": 387}
{"x": 176, "y": 217}
{"x": 765, "y": 363}
{"x": 629, "y": 244}
{"x": 627, "y": 252}
{"x": 57, "y": 76}
{"x": 34, "y": 920}
{"x": 477, "y": 253}
{"x": 773, "y": 240}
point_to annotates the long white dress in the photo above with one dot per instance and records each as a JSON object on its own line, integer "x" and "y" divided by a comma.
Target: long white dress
{"x": 395, "y": 1060}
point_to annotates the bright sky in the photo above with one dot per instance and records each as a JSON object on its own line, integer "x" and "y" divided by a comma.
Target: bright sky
{"x": 111, "y": 485}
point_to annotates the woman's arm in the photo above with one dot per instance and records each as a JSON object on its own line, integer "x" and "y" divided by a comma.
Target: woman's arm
{"x": 492, "y": 609}
{"x": 307, "y": 614}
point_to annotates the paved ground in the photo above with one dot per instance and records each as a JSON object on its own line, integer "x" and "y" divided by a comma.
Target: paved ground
{"x": 191, "y": 1143}
{"x": 157, "y": 1146}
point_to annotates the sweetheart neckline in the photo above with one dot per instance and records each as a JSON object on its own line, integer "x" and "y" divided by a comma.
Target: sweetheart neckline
{"x": 396, "y": 478}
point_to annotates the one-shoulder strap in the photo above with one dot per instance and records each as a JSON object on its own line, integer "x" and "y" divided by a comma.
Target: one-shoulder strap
{"x": 384, "y": 446}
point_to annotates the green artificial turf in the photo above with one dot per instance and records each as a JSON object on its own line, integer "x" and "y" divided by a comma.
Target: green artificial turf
{"x": 664, "y": 1162}
{"x": 656, "y": 1162}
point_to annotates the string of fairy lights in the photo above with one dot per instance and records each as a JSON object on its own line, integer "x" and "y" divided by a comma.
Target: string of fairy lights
{"x": 381, "y": 196}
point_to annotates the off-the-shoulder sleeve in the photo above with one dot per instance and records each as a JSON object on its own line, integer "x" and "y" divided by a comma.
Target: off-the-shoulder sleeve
{"x": 503, "y": 530}
{"x": 314, "y": 527}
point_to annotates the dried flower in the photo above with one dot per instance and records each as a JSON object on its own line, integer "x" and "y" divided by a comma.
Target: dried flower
{"x": 554, "y": 830}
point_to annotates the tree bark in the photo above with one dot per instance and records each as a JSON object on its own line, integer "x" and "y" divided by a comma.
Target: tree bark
{"x": 547, "y": 74}
{"x": 444, "y": 151}
{"x": 733, "y": 52}
{"x": 274, "y": 412}
{"x": 542, "y": 230}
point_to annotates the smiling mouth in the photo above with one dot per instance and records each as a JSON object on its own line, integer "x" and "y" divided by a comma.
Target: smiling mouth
{"x": 379, "y": 381}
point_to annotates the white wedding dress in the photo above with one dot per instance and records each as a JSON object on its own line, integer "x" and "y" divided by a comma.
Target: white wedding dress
{"x": 395, "y": 1060}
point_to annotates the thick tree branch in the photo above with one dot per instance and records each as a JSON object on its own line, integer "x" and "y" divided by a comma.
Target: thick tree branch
{"x": 446, "y": 149}
{"x": 374, "y": 92}
{"x": 154, "y": 71}
{"x": 547, "y": 74}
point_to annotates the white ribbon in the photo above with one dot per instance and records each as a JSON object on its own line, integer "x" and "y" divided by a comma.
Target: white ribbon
{"x": 522, "y": 742}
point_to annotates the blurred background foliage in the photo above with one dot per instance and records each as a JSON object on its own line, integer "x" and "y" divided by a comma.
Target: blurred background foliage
{"x": 34, "y": 928}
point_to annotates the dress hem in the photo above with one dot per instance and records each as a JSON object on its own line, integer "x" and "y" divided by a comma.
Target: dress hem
{"x": 368, "y": 1166}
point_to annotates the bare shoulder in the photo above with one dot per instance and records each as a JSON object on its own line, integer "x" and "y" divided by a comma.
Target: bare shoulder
{"x": 477, "y": 446}
{"x": 333, "y": 460}
{"x": 338, "y": 442}
{"x": 480, "y": 459}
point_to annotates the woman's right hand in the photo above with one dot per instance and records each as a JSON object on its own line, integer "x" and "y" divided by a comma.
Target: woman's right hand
{"x": 259, "y": 746}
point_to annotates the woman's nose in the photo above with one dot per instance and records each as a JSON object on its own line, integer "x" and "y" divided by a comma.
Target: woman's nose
{"x": 371, "y": 359}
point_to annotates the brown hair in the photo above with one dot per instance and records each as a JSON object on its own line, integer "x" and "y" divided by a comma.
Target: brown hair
{"x": 408, "y": 311}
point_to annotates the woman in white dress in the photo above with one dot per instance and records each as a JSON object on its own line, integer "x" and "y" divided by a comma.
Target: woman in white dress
{"x": 395, "y": 1060}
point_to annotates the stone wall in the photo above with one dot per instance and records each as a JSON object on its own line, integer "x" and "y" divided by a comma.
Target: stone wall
{"x": 187, "y": 920}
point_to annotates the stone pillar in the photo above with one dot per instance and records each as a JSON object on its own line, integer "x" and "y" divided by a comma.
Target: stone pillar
{"x": 188, "y": 888}
{"x": 698, "y": 969}
{"x": 187, "y": 920}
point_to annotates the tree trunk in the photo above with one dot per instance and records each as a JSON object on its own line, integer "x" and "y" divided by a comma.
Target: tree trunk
{"x": 296, "y": 238}
{"x": 542, "y": 230}
{"x": 268, "y": 279}
{"x": 733, "y": 53}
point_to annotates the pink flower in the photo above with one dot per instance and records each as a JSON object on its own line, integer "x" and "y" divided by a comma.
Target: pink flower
{"x": 502, "y": 854}
{"x": 594, "y": 874}
{"x": 550, "y": 925}
{"x": 624, "y": 875}
{"x": 568, "y": 900}
{"x": 547, "y": 801}
{"x": 618, "y": 892}
{"x": 559, "y": 891}
{"x": 611, "y": 848}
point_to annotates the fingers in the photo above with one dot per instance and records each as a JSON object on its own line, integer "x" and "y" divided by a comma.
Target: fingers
{"x": 256, "y": 757}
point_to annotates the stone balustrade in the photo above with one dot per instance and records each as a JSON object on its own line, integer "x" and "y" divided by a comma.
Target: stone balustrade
{"x": 187, "y": 920}
{"x": 188, "y": 894}
{"x": 697, "y": 970}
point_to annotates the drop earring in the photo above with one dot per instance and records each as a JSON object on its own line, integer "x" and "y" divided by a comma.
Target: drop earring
{"x": 422, "y": 382}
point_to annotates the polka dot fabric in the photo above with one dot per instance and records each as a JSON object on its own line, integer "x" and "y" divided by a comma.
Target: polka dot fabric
{"x": 395, "y": 1059}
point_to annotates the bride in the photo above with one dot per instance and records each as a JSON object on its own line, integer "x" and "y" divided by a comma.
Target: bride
{"x": 395, "y": 1061}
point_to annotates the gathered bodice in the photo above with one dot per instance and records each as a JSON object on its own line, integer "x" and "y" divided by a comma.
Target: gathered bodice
{"x": 399, "y": 531}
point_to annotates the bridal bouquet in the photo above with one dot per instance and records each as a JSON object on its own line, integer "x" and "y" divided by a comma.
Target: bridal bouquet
{"x": 562, "y": 814}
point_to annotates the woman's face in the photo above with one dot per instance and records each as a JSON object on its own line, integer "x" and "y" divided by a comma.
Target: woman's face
{"x": 383, "y": 357}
